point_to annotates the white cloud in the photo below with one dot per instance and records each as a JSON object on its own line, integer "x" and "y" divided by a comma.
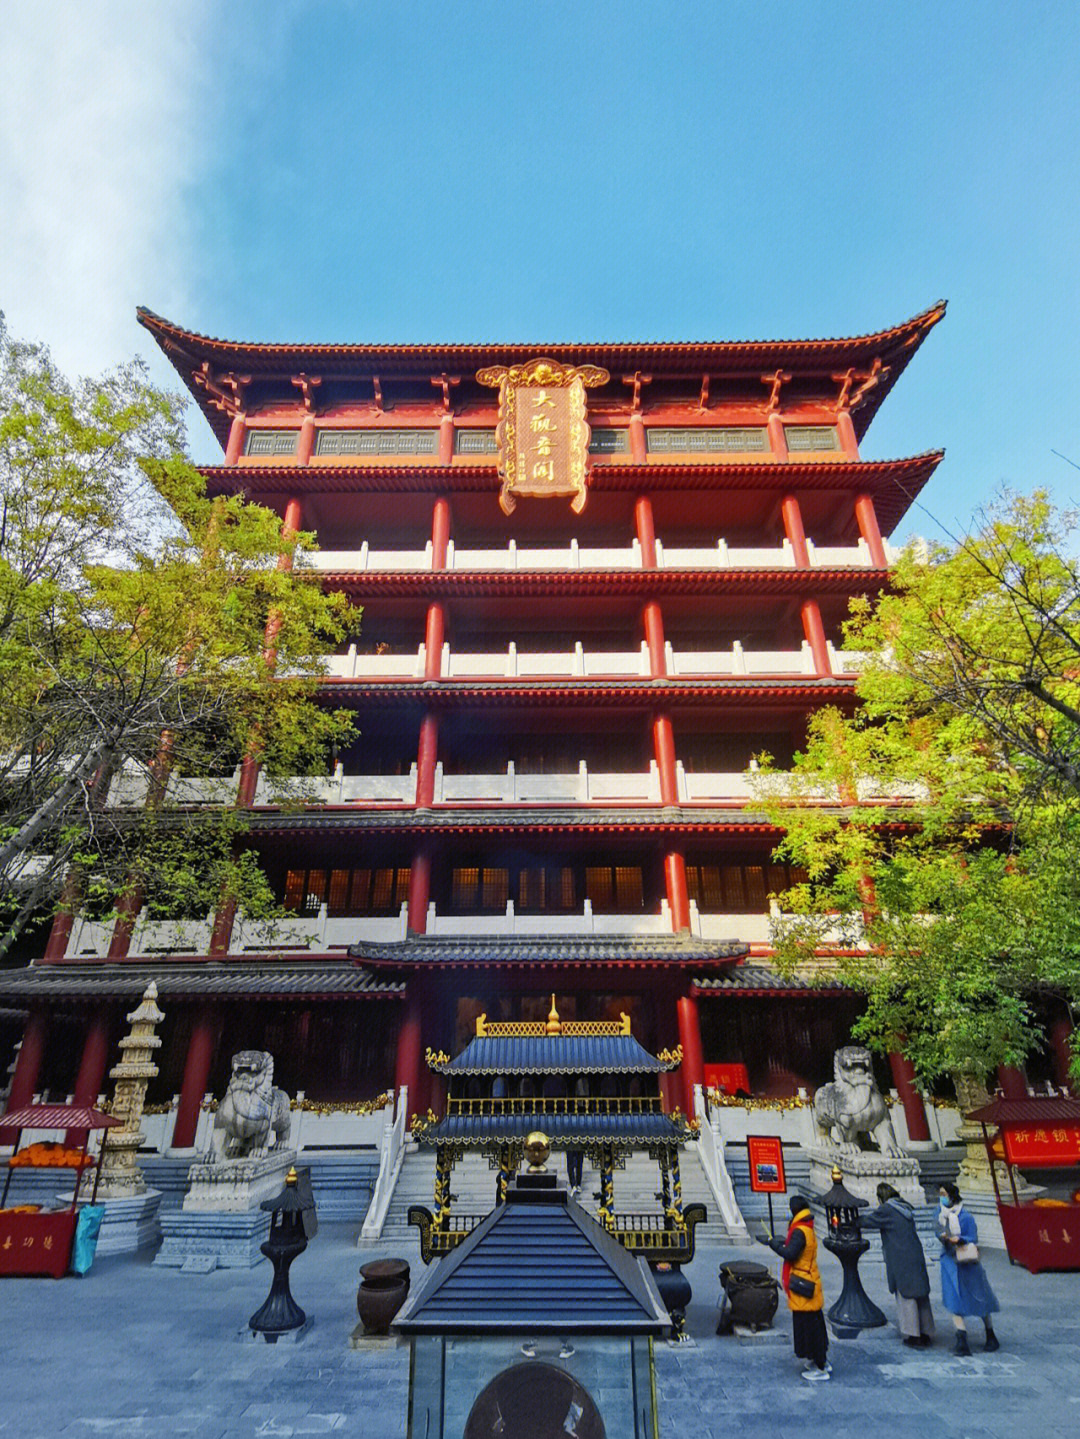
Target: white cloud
{"x": 102, "y": 132}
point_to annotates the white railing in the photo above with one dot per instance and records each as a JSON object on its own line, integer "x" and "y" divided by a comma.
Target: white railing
{"x": 132, "y": 785}
{"x": 711, "y": 1153}
{"x": 847, "y": 662}
{"x": 391, "y": 1155}
{"x": 92, "y": 938}
{"x": 576, "y": 663}
{"x": 695, "y": 787}
{"x": 573, "y": 556}
{"x": 352, "y": 665}
{"x": 320, "y": 931}
{"x": 339, "y": 788}
{"x": 510, "y": 923}
{"x": 739, "y": 661}
{"x": 577, "y": 787}
{"x": 514, "y": 663}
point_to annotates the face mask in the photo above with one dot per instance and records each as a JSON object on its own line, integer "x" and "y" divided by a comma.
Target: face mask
{"x": 944, "y": 1201}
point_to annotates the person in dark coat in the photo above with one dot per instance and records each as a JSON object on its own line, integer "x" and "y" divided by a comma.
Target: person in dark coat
{"x": 802, "y": 1285}
{"x": 965, "y": 1288}
{"x": 905, "y": 1265}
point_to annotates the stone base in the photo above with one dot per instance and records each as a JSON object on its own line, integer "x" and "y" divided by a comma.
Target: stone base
{"x": 130, "y": 1222}
{"x": 290, "y": 1336}
{"x": 199, "y": 1243}
{"x": 234, "y": 1186}
{"x": 863, "y": 1173}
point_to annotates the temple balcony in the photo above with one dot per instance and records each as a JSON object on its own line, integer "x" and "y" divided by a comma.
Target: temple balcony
{"x": 587, "y": 922}
{"x": 580, "y": 786}
{"x": 338, "y": 788}
{"x": 131, "y": 786}
{"x": 581, "y": 663}
{"x": 532, "y": 558}
{"x": 90, "y": 939}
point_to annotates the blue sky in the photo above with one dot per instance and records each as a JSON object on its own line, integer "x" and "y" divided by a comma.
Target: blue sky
{"x": 551, "y": 171}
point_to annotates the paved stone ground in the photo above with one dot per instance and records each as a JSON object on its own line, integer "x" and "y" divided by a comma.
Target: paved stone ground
{"x": 132, "y": 1351}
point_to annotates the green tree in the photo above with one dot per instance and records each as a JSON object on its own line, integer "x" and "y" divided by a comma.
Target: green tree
{"x": 939, "y": 825}
{"x": 133, "y": 615}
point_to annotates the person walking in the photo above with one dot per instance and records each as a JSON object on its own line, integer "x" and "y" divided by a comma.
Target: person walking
{"x": 905, "y": 1265}
{"x": 801, "y": 1280}
{"x": 965, "y": 1288}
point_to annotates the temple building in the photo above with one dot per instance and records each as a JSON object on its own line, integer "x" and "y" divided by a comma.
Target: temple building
{"x": 597, "y": 581}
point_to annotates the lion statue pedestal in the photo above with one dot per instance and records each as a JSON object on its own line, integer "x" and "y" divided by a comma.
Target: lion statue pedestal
{"x": 852, "y": 1105}
{"x": 221, "y": 1224}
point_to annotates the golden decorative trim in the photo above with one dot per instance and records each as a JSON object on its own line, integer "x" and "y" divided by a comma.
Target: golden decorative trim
{"x": 539, "y": 1028}
{"x": 671, "y": 1056}
{"x": 543, "y": 451}
{"x": 558, "y": 1104}
{"x": 435, "y": 1057}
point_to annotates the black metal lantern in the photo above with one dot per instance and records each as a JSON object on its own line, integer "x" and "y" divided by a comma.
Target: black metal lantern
{"x": 853, "y": 1310}
{"x": 280, "y": 1314}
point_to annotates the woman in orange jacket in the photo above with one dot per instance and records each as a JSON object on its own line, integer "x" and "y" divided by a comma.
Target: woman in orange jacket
{"x": 802, "y": 1285}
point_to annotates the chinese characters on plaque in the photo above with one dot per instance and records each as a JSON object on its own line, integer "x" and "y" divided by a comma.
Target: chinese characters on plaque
{"x": 542, "y": 434}
{"x": 1043, "y": 1145}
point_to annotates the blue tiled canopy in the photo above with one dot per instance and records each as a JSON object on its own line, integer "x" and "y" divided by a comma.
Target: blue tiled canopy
{"x": 554, "y": 1054}
{"x": 634, "y": 1131}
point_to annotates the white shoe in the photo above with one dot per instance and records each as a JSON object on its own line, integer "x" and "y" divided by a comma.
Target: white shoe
{"x": 817, "y": 1376}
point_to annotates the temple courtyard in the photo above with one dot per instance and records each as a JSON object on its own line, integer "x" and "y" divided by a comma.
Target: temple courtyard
{"x": 132, "y": 1350}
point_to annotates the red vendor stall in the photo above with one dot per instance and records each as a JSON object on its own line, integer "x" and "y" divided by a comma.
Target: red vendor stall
{"x": 35, "y": 1240}
{"x": 1037, "y": 1134}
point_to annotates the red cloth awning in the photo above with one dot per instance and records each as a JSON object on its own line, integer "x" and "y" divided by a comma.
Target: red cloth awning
{"x": 57, "y": 1116}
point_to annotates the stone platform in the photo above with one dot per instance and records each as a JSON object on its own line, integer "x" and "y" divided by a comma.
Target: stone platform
{"x": 131, "y": 1221}
{"x": 201, "y": 1242}
{"x": 233, "y": 1186}
{"x": 863, "y": 1172}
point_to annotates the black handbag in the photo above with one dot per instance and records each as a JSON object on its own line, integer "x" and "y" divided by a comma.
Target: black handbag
{"x": 800, "y": 1286}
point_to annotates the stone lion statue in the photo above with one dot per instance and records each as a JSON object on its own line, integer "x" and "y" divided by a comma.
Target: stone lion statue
{"x": 852, "y": 1105}
{"x": 254, "y": 1116}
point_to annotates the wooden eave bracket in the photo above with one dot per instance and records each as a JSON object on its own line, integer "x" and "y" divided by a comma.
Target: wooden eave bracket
{"x": 225, "y": 392}
{"x": 775, "y": 382}
{"x": 307, "y": 385}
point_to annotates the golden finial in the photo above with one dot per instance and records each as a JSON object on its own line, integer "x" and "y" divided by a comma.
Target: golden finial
{"x": 292, "y": 1177}
{"x": 481, "y": 1025}
{"x": 625, "y": 1022}
{"x": 837, "y": 1174}
{"x": 554, "y": 1023}
{"x": 537, "y": 1149}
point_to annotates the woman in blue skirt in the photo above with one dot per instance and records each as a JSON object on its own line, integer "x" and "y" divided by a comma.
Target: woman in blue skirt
{"x": 965, "y": 1288}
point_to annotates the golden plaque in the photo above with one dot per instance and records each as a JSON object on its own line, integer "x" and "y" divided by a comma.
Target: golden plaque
{"x": 542, "y": 434}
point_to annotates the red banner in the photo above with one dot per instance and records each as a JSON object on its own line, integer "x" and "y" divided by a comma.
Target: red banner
{"x": 1042, "y": 1146}
{"x": 727, "y": 1078}
{"x": 766, "y": 1155}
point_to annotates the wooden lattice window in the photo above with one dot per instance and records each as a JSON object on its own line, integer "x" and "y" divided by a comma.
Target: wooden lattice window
{"x": 706, "y": 440}
{"x": 378, "y": 442}
{"x": 811, "y": 437}
{"x": 609, "y": 442}
{"x": 474, "y": 442}
{"x": 271, "y": 442}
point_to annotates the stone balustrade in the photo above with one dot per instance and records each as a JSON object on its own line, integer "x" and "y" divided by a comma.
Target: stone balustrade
{"x": 572, "y": 556}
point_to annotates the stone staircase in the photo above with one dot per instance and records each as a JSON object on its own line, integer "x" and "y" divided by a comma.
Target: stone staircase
{"x": 473, "y": 1184}
{"x": 341, "y": 1180}
{"x": 934, "y": 1166}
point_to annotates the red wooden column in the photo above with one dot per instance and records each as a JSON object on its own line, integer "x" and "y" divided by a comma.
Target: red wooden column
{"x": 653, "y": 623}
{"x": 777, "y": 437}
{"x": 646, "y": 531}
{"x": 791, "y": 514}
{"x": 27, "y": 1066}
{"x": 409, "y": 1062}
{"x": 638, "y": 447}
{"x": 63, "y": 922}
{"x": 1013, "y": 1082}
{"x": 235, "y": 448}
{"x": 903, "y": 1073}
{"x": 305, "y": 444}
{"x": 197, "y": 1065}
{"x": 419, "y": 889}
{"x": 814, "y": 630}
{"x": 845, "y": 429}
{"x": 91, "y": 1075}
{"x": 866, "y": 517}
{"x": 1061, "y": 1051}
{"x": 693, "y": 1067}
